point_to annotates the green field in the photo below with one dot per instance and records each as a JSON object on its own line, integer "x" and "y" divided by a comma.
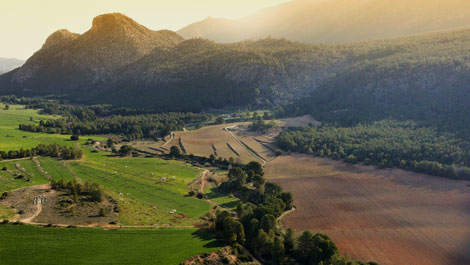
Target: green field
{"x": 23, "y": 244}
{"x": 11, "y": 138}
{"x": 146, "y": 190}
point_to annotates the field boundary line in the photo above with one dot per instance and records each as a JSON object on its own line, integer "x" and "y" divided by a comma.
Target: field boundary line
{"x": 227, "y": 129}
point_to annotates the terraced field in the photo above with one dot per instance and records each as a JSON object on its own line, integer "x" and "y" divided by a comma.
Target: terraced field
{"x": 212, "y": 140}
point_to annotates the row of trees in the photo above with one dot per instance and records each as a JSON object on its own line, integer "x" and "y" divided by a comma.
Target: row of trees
{"x": 93, "y": 190}
{"x": 52, "y": 150}
{"x": 386, "y": 144}
{"x": 255, "y": 224}
{"x": 132, "y": 127}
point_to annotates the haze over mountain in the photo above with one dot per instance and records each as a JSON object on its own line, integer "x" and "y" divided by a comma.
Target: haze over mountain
{"x": 327, "y": 21}
{"x": 120, "y": 62}
{"x": 113, "y": 41}
{"x": 8, "y": 64}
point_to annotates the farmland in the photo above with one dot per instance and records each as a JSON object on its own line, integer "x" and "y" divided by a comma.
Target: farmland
{"x": 212, "y": 140}
{"x": 150, "y": 193}
{"x": 389, "y": 216}
{"x": 11, "y": 138}
{"x": 39, "y": 245}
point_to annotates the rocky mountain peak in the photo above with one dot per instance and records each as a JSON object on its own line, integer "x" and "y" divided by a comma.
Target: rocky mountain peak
{"x": 61, "y": 36}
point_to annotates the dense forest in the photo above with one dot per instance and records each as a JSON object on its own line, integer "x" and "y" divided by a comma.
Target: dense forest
{"x": 255, "y": 225}
{"x": 386, "y": 144}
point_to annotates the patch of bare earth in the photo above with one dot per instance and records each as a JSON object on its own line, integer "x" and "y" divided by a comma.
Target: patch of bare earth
{"x": 59, "y": 209}
{"x": 389, "y": 216}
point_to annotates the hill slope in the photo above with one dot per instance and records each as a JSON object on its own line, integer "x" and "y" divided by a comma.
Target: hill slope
{"x": 68, "y": 61}
{"x": 422, "y": 77}
{"x": 326, "y": 21}
{"x": 8, "y": 64}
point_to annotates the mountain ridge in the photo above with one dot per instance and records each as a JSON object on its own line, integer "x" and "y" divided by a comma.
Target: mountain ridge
{"x": 320, "y": 21}
{"x": 426, "y": 75}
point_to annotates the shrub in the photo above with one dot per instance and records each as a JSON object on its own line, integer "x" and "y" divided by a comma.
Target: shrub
{"x": 74, "y": 138}
{"x": 102, "y": 212}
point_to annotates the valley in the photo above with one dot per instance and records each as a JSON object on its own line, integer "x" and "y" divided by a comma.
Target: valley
{"x": 314, "y": 132}
{"x": 134, "y": 184}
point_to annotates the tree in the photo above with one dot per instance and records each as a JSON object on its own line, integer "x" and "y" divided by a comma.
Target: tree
{"x": 278, "y": 252}
{"x": 175, "y": 151}
{"x": 125, "y": 150}
{"x": 268, "y": 222}
{"x": 220, "y": 120}
{"x": 74, "y": 137}
{"x": 7, "y": 107}
{"x": 272, "y": 189}
{"x": 289, "y": 241}
{"x": 237, "y": 177}
{"x": 288, "y": 199}
{"x": 256, "y": 167}
{"x": 110, "y": 143}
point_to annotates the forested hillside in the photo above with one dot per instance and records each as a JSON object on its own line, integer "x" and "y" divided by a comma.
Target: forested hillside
{"x": 421, "y": 77}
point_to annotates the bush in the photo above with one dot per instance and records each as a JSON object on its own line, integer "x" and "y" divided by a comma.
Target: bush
{"x": 74, "y": 138}
{"x": 102, "y": 212}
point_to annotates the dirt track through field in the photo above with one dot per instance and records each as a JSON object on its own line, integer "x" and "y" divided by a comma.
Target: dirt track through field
{"x": 387, "y": 216}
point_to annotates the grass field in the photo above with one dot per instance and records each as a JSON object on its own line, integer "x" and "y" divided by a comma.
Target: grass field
{"x": 136, "y": 184}
{"x": 389, "y": 216}
{"x": 40, "y": 246}
{"x": 11, "y": 138}
{"x": 5, "y": 213}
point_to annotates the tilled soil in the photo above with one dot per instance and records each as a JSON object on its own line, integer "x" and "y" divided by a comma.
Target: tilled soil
{"x": 388, "y": 216}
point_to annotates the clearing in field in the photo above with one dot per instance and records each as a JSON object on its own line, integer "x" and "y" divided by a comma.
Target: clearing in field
{"x": 389, "y": 216}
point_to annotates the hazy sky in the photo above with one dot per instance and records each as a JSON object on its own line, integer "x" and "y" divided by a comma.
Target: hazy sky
{"x": 25, "y": 24}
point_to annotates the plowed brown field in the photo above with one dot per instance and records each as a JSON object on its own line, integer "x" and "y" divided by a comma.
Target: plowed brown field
{"x": 389, "y": 216}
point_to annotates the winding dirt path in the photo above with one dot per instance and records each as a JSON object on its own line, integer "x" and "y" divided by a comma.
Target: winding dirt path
{"x": 172, "y": 136}
{"x": 30, "y": 219}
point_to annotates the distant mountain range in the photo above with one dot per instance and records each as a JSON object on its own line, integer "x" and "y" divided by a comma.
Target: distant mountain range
{"x": 8, "y": 64}
{"x": 328, "y": 21}
{"x": 120, "y": 62}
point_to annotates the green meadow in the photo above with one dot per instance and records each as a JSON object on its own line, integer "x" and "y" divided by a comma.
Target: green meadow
{"x": 147, "y": 190}
{"x": 22, "y": 244}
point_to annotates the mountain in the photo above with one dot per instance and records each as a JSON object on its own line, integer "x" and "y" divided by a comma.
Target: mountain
{"x": 423, "y": 77}
{"x": 73, "y": 61}
{"x": 328, "y": 21}
{"x": 8, "y": 64}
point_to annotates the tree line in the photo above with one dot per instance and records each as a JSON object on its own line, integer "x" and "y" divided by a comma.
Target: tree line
{"x": 133, "y": 124}
{"x": 254, "y": 224}
{"x": 385, "y": 144}
{"x": 52, "y": 150}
